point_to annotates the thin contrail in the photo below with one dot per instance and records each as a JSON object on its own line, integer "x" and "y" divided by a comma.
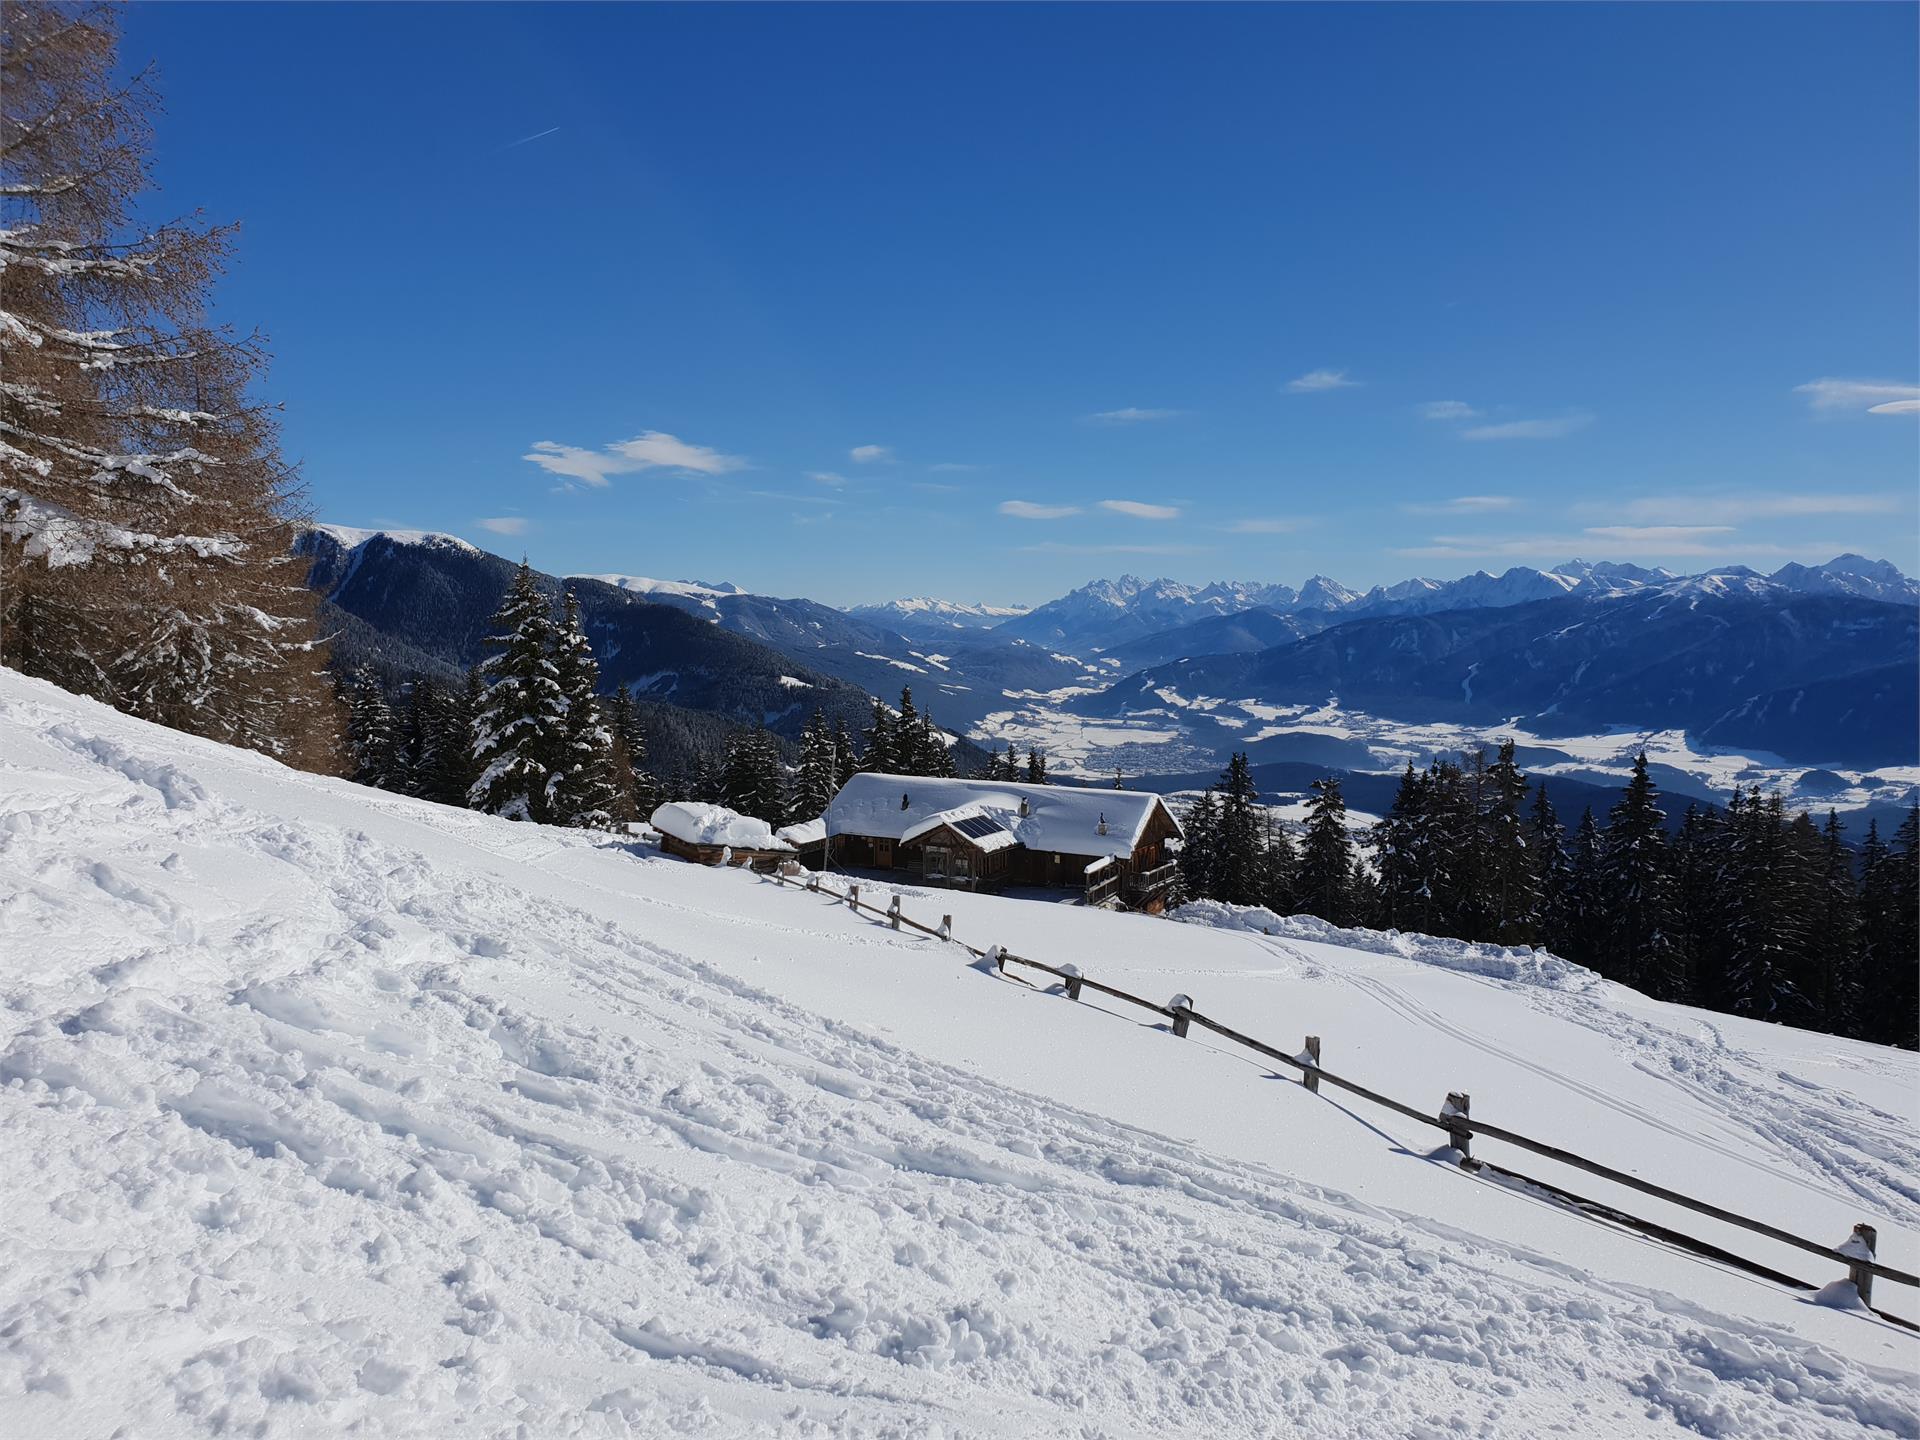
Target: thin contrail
{"x": 526, "y": 138}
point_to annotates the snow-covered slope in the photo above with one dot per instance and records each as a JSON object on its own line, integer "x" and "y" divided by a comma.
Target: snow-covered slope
{"x": 923, "y": 615}
{"x": 325, "y": 1111}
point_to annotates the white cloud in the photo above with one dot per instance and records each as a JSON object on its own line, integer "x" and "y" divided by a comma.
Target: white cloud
{"x": 1874, "y": 397}
{"x": 870, "y": 454}
{"x": 1708, "y": 542}
{"x": 1132, "y": 415}
{"x": 796, "y": 499}
{"x": 504, "y": 524}
{"x": 1315, "y": 381}
{"x": 1464, "y": 505}
{"x": 1264, "y": 525}
{"x": 1054, "y": 547}
{"x": 1140, "y": 510}
{"x": 827, "y": 477}
{"x": 1733, "y": 509}
{"x": 1549, "y": 429}
{"x": 649, "y": 450}
{"x": 1657, "y": 534}
{"x": 1448, "y": 410}
{"x": 1027, "y": 510}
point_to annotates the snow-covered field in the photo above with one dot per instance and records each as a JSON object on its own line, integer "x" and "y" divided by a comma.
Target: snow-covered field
{"x": 325, "y": 1112}
{"x": 1184, "y": 733}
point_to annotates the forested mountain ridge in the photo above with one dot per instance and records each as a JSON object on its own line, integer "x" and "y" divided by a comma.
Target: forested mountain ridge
{"x": 430, "y": 599}
{"x": 1746, "y": 663}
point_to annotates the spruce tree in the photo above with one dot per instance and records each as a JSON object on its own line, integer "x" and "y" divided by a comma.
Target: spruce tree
{"x": 1279, "y": 868}
{"x": 1585, "y": 912}
{"x": 1547, "y": 852}
{"x": 1238, "y": 867}
{"x": 1638, "y": 943}
{"x": 1200, "y": 849}
{"x": 753, "y": 782}
{"x": 844, "y": 765}
{"x": 375, "y": 739}
{"x": 1400, "y": 846}
{"x": 1765, "y": 934}
{"x": 815, "y": 783}
{"x": 879, "y": 753}
{"x": 1325, "y": 883}
{"x": 582, "y": 790}
{"x": 1887, "y": 947}
{"x": 1037, "y": 768}
{"x": 1507, "y": 869}
{"x": 1836, "y": 935}
{"x": 519, "y": 731}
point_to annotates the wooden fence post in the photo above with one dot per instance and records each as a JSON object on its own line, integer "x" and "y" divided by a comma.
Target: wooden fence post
{"x": 813, "y": 881}
{"x": 946, "y": 927}
{"x": 893, "y": 913}
{"x": 1310, "y": 1077}
{"x": 1073, "y": 981}
{"x": 1860, "y": 1252}
{"x": 1180, "y": 1005}
{"x": 853, "y": 897}
{"x": 1457, "y": 1108}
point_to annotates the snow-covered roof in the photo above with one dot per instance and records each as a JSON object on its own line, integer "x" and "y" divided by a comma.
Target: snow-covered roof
{"x": 986, "y": 833}
{"x": 802, "y": 833}
{"x": 1059, "y": 817}
{"x": 695, "y": 823}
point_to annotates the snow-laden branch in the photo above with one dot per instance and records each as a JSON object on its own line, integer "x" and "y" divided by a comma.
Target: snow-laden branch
{"x": 59, "y": 537}
{"x": 109, "y": 466}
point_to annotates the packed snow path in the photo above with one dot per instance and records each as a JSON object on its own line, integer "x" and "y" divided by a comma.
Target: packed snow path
{"x": 323, "y": 1111}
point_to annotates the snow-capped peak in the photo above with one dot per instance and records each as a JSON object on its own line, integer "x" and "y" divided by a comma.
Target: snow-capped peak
{"x": 646, "y": 585}
{"x": 351, "y": 537}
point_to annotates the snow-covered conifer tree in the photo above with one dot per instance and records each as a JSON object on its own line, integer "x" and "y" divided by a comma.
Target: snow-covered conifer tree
{"x": 581, "y": 788}
{"x": 1325, "y": 883}
{"x": 518, "y": 730}
{"x": 374, "y": 736}
{"x": 879, "y": 752}
{"x": 816, "y": 782}
{"x": 1638, "y": 944}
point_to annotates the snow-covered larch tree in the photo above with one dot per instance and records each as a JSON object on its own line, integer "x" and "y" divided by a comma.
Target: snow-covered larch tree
{"x": 146, "y": 517}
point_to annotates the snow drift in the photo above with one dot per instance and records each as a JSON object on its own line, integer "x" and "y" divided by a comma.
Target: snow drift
{"x": 326, "y": 1111}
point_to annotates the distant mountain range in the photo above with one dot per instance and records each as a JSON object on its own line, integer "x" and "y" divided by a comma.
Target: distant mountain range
{"x": 927, "y": 619}
{"x": 1735, "y": 659}
{"x": 1816, "y": 662}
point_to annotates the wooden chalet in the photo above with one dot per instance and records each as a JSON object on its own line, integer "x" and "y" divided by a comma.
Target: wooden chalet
{"x": 715, "y": 835}
{"x": 1112, "y": 845}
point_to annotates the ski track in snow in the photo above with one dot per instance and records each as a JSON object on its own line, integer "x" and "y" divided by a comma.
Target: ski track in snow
{"x": 303, "y": 1132}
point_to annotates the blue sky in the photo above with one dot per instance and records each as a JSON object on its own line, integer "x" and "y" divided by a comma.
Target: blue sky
{"x": 983, "y": 302}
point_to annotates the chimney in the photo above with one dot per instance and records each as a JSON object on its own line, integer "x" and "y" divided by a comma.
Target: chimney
{"x": 1024, "y": 809}
{"x": 904, "y": 800}
{"x": 1103, "y": 822}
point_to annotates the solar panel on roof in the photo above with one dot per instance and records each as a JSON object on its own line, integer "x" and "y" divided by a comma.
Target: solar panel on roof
{"x": 978, "y": 827}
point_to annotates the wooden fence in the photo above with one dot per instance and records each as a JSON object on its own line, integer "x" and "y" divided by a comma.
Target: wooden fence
{"x": 1455, "y": 1119}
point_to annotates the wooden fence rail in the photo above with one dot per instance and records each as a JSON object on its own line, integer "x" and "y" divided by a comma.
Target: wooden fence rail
{"x": 1455, "y": 1119}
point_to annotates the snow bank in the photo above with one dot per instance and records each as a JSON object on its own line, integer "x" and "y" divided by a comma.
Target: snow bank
{"x": 1523, "y": 964}
{"x": 696, "y": 823}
